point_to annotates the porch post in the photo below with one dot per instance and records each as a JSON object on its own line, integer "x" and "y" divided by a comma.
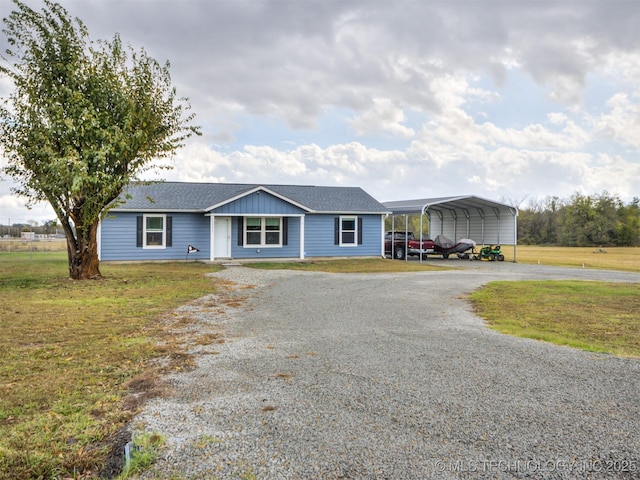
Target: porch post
{"x": 212, "y": 233}
{"x": 382, "y": 218}
{"x": 302, "y": 237}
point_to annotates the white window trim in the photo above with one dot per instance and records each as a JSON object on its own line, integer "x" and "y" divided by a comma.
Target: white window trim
{"x": 355, "y": 231}
{"x": 263, "y": 233}
{"x": 144, "y": 231}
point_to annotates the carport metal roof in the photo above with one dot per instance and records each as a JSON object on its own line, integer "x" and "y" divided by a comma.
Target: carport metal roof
{"x": 485, "y": 221}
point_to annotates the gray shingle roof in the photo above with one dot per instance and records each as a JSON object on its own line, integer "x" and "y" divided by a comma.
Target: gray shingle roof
{"x": 199, "y": 197}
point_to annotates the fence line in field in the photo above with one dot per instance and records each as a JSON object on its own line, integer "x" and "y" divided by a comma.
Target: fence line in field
{"x": 15, "y": 245}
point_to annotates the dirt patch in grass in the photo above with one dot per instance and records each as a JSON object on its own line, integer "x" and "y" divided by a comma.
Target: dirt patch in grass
{"x": 594, "y": 316}
{"x": 210, "y": 338}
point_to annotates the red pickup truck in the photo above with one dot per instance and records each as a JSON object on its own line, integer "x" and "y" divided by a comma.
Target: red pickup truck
{"x": 400, "y": 244}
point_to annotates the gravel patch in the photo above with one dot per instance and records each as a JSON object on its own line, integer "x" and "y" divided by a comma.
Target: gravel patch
{"x": 391, "y": 376}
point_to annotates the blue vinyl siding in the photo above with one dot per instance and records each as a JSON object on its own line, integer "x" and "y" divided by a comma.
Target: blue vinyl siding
{"x": 292, "y": 250}
{"x": 259, "y": 203}
{"x": 319, "y": 237}
{"x": 118, "y": 237}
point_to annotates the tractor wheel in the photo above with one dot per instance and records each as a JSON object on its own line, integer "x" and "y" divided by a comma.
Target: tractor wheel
{"x": 501, "y": 258}
{"x": 399, "y": 253}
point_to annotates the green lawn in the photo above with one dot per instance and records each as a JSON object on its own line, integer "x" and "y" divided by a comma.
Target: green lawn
{"x": 67, "y": 350}
{"x": 594, "y": 316}
{"x": 607, "y": 258}
{"x": 348, "y": 265}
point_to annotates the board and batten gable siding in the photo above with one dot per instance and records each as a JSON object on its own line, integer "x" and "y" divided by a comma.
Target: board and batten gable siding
{"x": 290, "y": 250}
{"x": 320, "y": 237}
{"x": 258, "y": 204}
{"x": 118, "y": 233}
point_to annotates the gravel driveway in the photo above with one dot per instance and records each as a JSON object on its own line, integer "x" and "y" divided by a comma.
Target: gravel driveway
{"x": 391, "y": 376}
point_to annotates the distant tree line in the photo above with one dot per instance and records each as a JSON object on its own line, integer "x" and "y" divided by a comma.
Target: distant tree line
{"x": 581, "y": 221}
{"x": 49, "y": 227}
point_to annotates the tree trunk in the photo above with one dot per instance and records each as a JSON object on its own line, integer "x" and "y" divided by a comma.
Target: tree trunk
{"x": 83, "y": 253}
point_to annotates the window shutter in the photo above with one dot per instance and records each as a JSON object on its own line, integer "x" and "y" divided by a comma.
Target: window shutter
{"x": 285, "y": 230}
{"x": 359, "y": 230}
{"x": 336, "y": 231}
{"x": 139, "y": 231}
{"x": 169, "y": 231}
{"x": 240, "y": 232}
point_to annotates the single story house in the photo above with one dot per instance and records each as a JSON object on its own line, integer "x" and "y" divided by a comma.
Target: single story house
{"x": 211, "y": 221}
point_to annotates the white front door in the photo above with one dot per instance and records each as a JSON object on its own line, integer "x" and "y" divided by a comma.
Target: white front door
{"x": 222, "y": 237}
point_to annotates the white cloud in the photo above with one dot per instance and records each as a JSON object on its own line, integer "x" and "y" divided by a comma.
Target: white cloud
{"x": 613, "y": 174}
{"x": 557, "y": 118}
{"x": 622, "y": 122}
{"x": 383, "y": 118}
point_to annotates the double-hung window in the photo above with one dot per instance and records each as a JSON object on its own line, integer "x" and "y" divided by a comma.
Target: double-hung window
{"x": 348, "y": 231}
{"x": 154, "y": 233}
{"x": 154, "y": 230}
{"x": 263, "y": 232}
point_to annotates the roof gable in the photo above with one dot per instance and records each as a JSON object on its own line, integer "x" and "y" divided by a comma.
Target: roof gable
{"x": 255, "y": 190}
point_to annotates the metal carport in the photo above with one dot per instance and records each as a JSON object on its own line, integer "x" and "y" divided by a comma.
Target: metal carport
{"x": 484, "y": 221}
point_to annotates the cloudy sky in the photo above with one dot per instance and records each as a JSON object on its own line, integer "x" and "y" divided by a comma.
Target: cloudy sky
{"x": 511, "y": 100}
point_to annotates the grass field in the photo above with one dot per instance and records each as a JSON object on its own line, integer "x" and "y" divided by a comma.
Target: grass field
{"x": 593, "y": 316}
{"x": 350, "y": 265}
{"x": 17, "y": 245}
{"x": 67, "y": 351}
{"x": 601, "y": 317}
{"x": 608, "y": 258}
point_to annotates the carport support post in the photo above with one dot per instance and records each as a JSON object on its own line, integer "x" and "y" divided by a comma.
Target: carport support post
{"x": 514, "y": 212}
{"x": 420, "y": 250}
{"x": 406, "y": 237}
{"x": 481, "y": 213}
{"x": 454, "y": 215}
{"x": 468, "y": 217}
{"x": 423, "y": 212}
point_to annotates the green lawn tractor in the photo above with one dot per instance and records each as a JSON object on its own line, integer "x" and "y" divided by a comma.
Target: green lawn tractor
{"x": 491, "y": 253}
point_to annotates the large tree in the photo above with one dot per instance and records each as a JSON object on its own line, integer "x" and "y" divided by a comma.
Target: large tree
{"x": 83, "y": 120}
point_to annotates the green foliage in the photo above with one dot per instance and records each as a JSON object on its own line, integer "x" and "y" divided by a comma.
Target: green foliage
{"x": 598, "y": 220}
{"x": 409, "y": 223}
{"x": 84, "y": 119}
